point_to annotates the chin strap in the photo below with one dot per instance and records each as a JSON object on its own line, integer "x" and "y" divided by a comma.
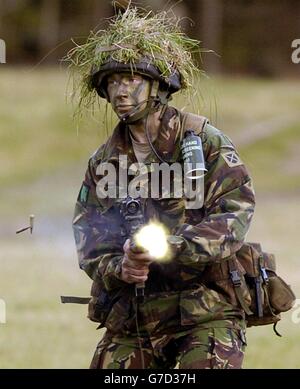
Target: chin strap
{"x": 157, "y": 98}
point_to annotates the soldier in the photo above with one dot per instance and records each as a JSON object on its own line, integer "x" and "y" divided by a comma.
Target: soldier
{"x": 193, "y": 311}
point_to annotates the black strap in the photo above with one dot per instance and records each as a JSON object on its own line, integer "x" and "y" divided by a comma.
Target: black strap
{"x": 275, "y": 330}
{"x": 237, "y": 282}
{"x": 258, "y": 296}
{"x": 74, "y": 300}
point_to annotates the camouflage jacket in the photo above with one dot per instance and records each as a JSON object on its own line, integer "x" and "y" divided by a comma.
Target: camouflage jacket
{"x": 213, "y": 233}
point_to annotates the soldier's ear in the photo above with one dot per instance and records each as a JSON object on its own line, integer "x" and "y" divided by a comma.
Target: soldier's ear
{"x": 103, "y": 92}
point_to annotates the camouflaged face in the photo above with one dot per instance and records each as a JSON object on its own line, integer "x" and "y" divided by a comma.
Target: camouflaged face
{"x": 127, "y": 91}
{"x": 213, "y": 233}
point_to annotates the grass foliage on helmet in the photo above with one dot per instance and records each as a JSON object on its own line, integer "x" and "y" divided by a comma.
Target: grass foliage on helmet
{"x": 132, "y": 36}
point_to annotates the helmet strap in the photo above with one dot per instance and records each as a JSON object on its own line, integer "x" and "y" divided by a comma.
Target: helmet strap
{"x": 157, "y": 98}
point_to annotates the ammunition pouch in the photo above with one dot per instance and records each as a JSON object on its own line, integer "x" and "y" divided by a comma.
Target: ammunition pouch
{"x": 228, "y": 279}
{"x": 111, "y": 310}
{"x": 249, "y": 279}
{"x": 270, "y": 294}
{"x": 99, "y": 304}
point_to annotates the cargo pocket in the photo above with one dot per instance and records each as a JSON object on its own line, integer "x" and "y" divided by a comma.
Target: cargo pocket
{"x": 120, "y": 319}
{"x": 228, "y": 347}
{"x": 95, "y": 313}
{"x": 281, "y": 296}
{"x": 120, "y": 353}
{"x": 241, "y": 289}
{"x": 100, "y": 303}
{"x": 159, "y": 312}
{"x": 270, "y": 294}
{"x": 110, "y": 310}
{"x": 228, "y": 279}
{"x": 202, "y": 305}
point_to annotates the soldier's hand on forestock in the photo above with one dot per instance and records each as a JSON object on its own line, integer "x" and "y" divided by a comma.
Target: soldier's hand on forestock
{"x": 135, "y": 264}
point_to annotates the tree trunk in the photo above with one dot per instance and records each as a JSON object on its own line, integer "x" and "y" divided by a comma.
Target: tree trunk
{"x": 211, "y": 32}
{"x": 101, "y": 10}
{"x": 49, "y": 26}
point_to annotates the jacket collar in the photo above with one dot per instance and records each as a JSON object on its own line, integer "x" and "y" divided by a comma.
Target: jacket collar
{"x": 167, "y": 144}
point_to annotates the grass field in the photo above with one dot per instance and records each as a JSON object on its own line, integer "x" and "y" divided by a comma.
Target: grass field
{"x": 43, "y": 160}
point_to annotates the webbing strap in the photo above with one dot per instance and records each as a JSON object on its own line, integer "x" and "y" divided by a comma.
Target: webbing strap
{"x": 190, "y": 121}
{"x": 242, "y": 301}
{"x": 74, "y": 300}
{"x": 237, "y": 282}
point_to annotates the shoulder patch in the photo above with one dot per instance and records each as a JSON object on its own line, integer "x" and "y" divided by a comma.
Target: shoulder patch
{"x": 232, "y": 159}
{"x": 84, "y": 193}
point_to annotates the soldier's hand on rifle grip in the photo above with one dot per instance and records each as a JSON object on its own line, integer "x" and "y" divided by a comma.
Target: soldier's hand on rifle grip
{"x": 135, "y": 264}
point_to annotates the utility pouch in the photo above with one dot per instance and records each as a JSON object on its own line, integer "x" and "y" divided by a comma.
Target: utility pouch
{"x": 270, "y": 294}
{"x": 110, "y": 309}
{"x": 99, "y": 304}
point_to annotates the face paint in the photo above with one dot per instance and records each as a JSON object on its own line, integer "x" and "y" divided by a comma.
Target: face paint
{"x": 127, "y": 92}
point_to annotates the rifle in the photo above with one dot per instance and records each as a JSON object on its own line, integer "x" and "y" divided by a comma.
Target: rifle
{"x": 133, "y": 215}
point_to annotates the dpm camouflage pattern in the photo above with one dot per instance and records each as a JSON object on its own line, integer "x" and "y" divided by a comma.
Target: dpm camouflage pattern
{"x": 200, "y": 348}
{"x": 178, "y": 294}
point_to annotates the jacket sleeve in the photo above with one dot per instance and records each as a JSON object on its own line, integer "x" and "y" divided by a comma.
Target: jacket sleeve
{"x": 97, "y": 235}
{"x": 218, "y": 230}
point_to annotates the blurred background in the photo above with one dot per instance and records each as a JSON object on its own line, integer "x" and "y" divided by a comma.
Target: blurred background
{"x": 251, "y": 92}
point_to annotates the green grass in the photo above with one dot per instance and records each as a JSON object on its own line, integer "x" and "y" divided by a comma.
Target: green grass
{"x": 235, "y": 104}
{"x": 40, "y": 331}
{"x": 275, "y": 162}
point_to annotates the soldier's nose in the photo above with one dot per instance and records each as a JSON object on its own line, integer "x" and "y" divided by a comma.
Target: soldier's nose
{"x": 122, "y": 91}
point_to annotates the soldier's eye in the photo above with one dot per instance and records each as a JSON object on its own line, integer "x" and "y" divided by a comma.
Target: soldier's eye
{"x": 134, "y": 80}
{"x": 112, "y": 82}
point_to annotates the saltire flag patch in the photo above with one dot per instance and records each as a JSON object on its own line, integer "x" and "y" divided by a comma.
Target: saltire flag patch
{"x": 232, "y": 159}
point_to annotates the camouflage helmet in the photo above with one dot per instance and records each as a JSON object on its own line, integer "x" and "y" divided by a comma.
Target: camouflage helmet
{"x": 169, "y": 84}
{"x": 151, "y": 44}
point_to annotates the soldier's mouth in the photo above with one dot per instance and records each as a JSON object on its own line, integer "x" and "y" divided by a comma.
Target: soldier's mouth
{"x": 124, "y": 105}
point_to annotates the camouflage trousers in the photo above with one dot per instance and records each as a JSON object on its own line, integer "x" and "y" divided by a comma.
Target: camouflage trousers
{"x": 198, "y": 348}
